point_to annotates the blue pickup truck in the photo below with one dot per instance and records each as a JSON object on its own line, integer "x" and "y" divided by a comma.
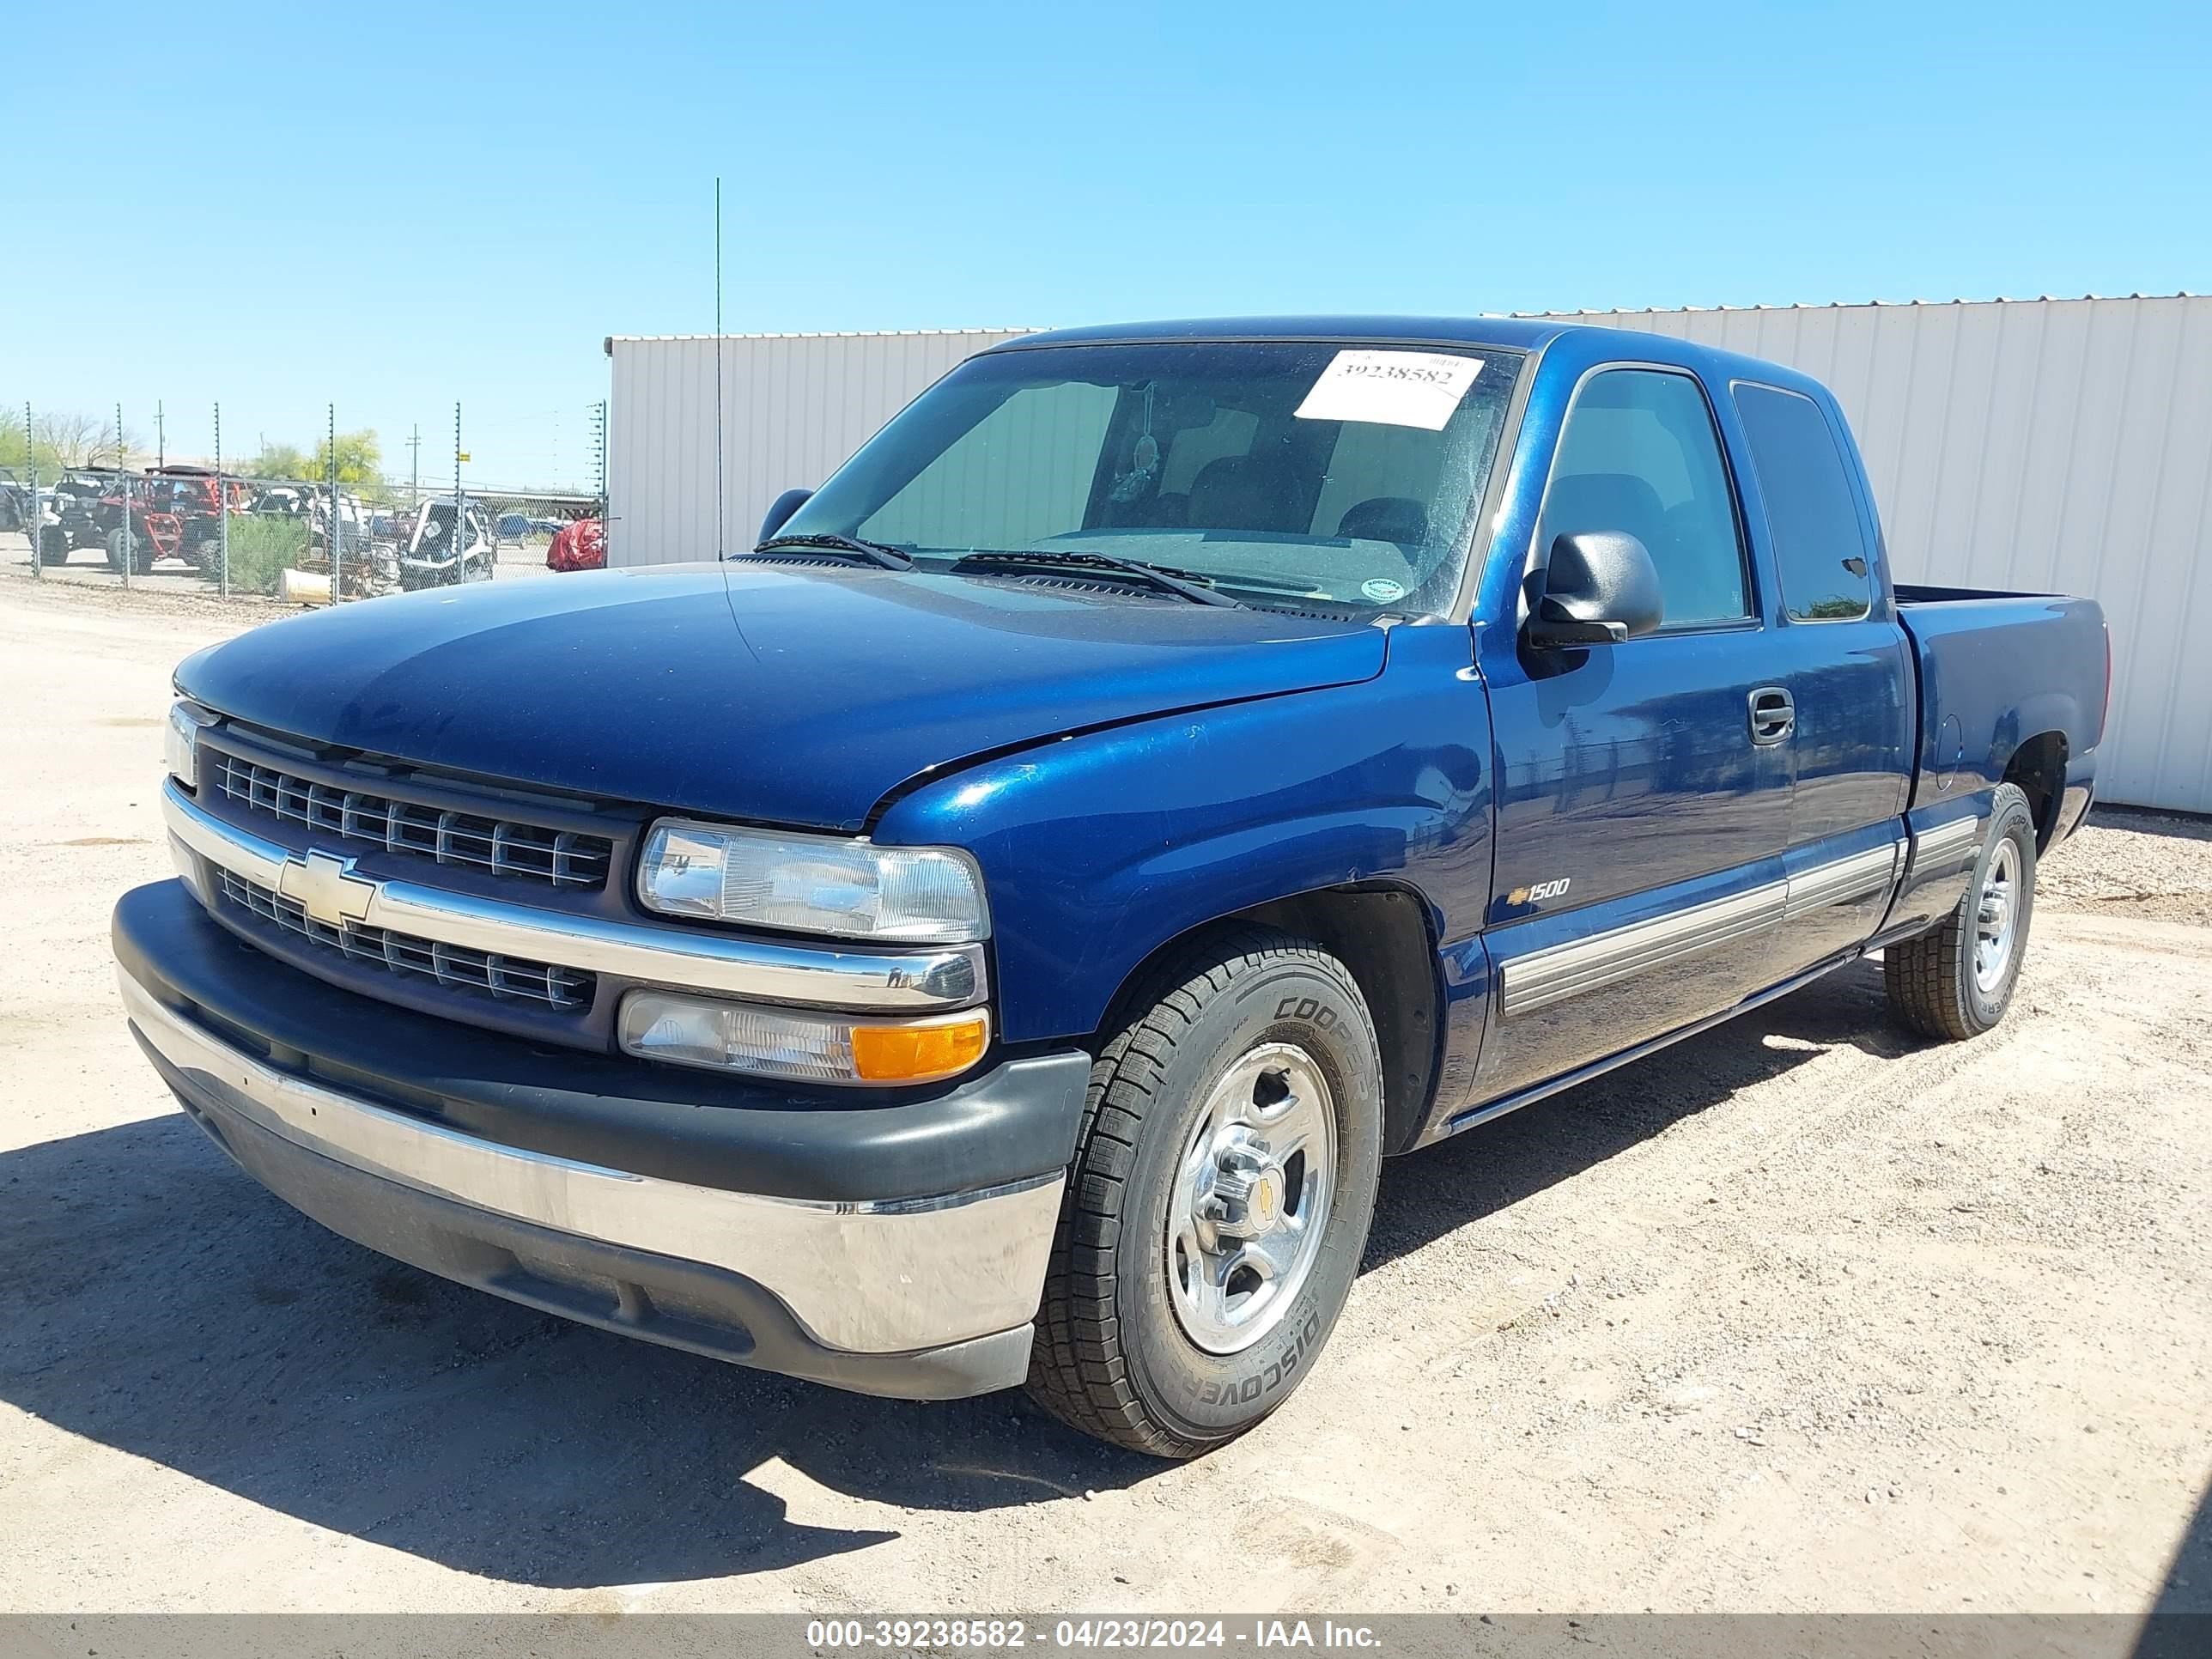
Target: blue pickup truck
{"x": 992, "y": 932}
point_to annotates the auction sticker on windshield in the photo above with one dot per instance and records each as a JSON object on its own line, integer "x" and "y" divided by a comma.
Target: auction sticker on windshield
{"x": 1391, "y": 388}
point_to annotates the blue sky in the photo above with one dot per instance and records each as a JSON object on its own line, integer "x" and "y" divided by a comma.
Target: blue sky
{"x": 397, "y": 206}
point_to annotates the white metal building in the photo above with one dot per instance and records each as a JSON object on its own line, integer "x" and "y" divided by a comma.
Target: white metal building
{"x": 793, "y": 407}
{"x": 2031, "y": 444}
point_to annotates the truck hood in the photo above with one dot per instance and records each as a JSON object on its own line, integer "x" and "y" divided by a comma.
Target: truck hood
{"x": 779, "y": 694}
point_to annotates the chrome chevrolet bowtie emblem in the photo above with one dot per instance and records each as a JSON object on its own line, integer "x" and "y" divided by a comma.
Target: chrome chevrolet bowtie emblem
{"x": 326, "y": 887}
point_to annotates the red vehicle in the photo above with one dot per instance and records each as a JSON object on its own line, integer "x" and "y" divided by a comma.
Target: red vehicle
{"x": 175, "y": 511}
{"x": 152, "y": 533}
{"x": 579, "y": 546}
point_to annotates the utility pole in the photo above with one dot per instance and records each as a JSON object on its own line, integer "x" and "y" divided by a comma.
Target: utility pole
{"x": 460, "y": 513}
{"x": 414, "y": 468}
{"x": 160, "y": 438}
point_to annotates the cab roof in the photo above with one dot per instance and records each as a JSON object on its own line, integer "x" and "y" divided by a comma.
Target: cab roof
{"x": 1518, "y": 333}
{"x": 1529, "y": 334}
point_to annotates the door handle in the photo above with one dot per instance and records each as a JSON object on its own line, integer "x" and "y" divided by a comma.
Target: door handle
{"x": 1773, "y": 716}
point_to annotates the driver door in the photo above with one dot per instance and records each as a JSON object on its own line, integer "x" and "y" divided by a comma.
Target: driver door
{"x": 1643, "y": 803}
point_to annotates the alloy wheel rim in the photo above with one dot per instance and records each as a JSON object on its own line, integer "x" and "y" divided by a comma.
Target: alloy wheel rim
{"x": 1997, "y": 917}
{"x": 1251, "y": 1197}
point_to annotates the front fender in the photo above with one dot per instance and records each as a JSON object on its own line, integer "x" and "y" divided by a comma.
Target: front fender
{"x": 1097, "y": 849}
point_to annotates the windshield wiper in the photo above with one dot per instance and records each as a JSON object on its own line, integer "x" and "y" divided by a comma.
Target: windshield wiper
{"x": 827, "y": 541}
{"x": 1185, "y": 584}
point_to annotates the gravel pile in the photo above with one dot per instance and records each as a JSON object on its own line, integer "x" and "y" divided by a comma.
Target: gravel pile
{"x": 2124, "y": 862}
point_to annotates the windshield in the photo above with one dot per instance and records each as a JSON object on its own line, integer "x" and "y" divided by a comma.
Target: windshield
{"x": 1283, "y": 472}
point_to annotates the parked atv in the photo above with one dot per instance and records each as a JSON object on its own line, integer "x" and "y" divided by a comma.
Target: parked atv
{"x": 435, "y": 557}
{"x": 134, "y": 516}
{"x": 49, "y": 538}
{"x": 75, "y": 500}
{"x": 195, "y": 496}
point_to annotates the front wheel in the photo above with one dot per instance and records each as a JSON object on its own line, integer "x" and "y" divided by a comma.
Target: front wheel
{"x": 142, "y": 553}
{"x": 1956, "y": 981}
{"x": 1220, "y": 1196}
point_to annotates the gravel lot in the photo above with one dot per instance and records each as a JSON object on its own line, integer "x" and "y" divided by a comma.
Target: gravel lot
{"x": 1802, "y": 1315}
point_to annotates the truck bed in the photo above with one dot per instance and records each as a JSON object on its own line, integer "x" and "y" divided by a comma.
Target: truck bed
{"x": 1997, "y": 670}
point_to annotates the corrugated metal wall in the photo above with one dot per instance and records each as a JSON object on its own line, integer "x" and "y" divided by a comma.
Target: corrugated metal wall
{"x": 793, "y": 407}
{"x": 2040, "y": 444}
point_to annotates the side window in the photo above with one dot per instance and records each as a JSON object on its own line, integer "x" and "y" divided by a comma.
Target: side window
{"x": 1819, "y": 541}
{"x": 1639, "y": 455}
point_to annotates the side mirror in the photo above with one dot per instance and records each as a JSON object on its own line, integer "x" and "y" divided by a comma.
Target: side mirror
{"x": 1600, "y": 587}
{"x": 779, "y": 511}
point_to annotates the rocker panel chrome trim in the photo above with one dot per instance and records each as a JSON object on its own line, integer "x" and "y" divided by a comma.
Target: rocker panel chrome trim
{"x": 1540, "y": 978}
{"x": 1841, "y": 881}
{"x": 1945, "y": 843}
{"x": 1546, "y": 976}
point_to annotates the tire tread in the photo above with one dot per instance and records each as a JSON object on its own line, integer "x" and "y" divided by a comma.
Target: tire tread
{"x": 1925, "y": 978}
{"x": 1078, "y": 1372}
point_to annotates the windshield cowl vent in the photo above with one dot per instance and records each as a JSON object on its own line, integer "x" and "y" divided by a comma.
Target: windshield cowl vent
{"x": 1077, "y": 584}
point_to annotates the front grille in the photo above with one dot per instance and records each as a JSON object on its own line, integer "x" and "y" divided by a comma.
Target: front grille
{"x": 564, "y": 988}
{"x": 506, "y": 847}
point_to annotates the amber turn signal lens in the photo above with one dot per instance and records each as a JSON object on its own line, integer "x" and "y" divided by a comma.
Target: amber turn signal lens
{"x": 793, "y": 1042}
{"x": 919, "y": 1053}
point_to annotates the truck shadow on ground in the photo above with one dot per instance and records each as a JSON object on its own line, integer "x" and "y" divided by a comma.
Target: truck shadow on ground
{"x": 154, "y": 1299}
{"x": 1444, "y": 1186}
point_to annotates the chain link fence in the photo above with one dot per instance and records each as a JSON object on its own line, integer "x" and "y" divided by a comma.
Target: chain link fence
{"x": 88, "y": 506}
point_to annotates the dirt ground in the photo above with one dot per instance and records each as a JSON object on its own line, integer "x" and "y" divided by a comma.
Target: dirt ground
{"x": 1801, "y": 1316}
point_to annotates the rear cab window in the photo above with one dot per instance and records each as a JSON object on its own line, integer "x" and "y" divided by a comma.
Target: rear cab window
{"x": 1820, "y": 546}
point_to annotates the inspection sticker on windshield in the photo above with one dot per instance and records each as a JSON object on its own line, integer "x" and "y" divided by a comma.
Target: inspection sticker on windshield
{"x": 1391, "y": 388}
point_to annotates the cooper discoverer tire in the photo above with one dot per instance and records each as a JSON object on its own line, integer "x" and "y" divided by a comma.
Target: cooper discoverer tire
{"x": 1956, "y": 981}
{"x": 1219, "y": 1199}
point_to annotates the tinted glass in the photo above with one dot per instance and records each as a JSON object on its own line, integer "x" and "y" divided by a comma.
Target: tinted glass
{"x": 1639, "y": 455}
{"x": 1819, "y": 542}
{"x": 1278, "y": 470}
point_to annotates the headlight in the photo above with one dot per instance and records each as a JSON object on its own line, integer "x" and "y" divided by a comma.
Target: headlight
{"x": 180, "y": 744}
{"x": 783, "y": 1042}
{"x": 812, "y": 884}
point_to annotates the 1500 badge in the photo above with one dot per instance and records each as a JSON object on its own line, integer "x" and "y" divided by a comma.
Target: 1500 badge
{"x": 1541, "y": 891}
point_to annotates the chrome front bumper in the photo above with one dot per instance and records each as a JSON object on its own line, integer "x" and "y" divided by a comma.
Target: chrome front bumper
{"x": 910, "y": 1279}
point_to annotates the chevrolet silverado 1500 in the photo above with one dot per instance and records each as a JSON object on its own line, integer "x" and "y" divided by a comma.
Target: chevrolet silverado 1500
{"x": 992, "y": 931}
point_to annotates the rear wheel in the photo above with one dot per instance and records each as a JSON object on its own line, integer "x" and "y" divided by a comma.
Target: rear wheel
{"x": 53, "y": 544}
{"x": 1956, "y": 981}
{"x": 1219, "y": 1199}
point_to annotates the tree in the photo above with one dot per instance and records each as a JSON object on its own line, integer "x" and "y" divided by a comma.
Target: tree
{"x": 277, "y": 461}
{"x": 361, "y": 459}
{"x": 58, "y": 441}
{"x": 80, "y": 440}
